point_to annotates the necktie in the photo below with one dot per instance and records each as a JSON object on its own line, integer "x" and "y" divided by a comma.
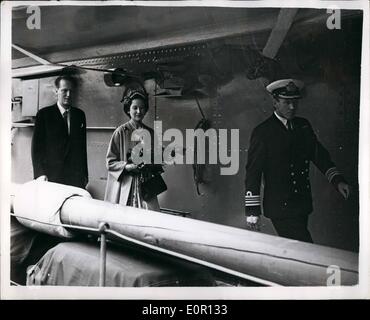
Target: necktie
{"x": 65, "y": 117}
{"x": 289, "y": 125}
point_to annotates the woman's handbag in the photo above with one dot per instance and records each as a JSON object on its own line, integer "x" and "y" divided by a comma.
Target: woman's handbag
{"x": 153, "y": 186}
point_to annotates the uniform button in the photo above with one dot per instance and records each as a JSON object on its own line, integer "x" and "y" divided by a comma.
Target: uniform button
{"x": 308, "y": 187}
{"x": 295, "y": 190}
{"x": 291, "y": 165}
{"x": 306, "y": 170}
{"x": 306, "y": 161}
{"x": 285, "y": 203}
{"x": 302, "y": 172}
{"x": 292, "y": 173}
{"x": 294, "y": 182}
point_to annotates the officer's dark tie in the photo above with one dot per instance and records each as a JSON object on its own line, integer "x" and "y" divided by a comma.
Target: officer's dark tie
{"x": 289, "y": 125}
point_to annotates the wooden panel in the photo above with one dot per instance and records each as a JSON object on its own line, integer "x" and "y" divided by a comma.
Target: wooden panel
{"x": 30, "y": 94}
{"x": 97, "y": 146}
{"x": 16, "y": 104}
{"x": 47, "y": 94}
{"x": 21, "y": 155}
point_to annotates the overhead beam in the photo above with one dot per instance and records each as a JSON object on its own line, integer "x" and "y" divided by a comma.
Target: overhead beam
{"x": 207, "y": 33}
{"x": 30, "y": 54}
{"x": 240, "y": 28}
{"x": 35, "y": 70}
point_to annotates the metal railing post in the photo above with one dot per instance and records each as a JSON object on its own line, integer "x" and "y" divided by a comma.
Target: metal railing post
{"x": 103, "y": 253}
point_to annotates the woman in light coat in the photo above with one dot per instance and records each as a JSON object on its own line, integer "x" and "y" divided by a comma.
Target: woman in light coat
{"x": 125, "y": 177}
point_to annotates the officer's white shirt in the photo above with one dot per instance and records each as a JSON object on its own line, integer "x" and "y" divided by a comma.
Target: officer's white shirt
{"x": 62, "y": 110}
{"x": 283, "y": 120}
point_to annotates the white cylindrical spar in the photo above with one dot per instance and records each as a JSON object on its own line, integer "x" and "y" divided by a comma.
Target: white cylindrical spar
{"x": 275, "y": 259}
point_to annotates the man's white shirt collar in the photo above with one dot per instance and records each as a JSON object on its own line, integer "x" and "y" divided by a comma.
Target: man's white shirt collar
{"x": 61, "y": 109}
{"x": 283, "y": 120}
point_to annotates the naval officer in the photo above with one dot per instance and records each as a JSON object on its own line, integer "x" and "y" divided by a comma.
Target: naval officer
{"x": 281, "y": 149}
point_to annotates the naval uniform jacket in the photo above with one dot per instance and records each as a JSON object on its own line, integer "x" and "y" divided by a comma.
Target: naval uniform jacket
{"x": 62, "y": 157}
{"x": 282, "y": 158}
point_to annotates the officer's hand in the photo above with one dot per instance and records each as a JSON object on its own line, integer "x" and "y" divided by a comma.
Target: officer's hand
{"x": 343, "y": 189}
{"x": 253, "y": 223}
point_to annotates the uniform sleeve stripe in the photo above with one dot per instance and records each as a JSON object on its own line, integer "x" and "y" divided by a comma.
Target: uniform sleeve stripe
{"x": 331, "y": 173}
{"x": 252, "y": 200}
{"x": 252, "y": 203}
{"x": 331, "y": 170}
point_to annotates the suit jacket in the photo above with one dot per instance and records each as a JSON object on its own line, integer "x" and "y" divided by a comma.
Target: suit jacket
{"x": 62, "y": 157}
{"x": 283, "y": 158}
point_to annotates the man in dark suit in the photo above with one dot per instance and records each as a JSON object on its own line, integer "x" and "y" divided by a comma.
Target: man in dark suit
{"x": 281, "y": 149}
{"x": 59, "y": 139}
